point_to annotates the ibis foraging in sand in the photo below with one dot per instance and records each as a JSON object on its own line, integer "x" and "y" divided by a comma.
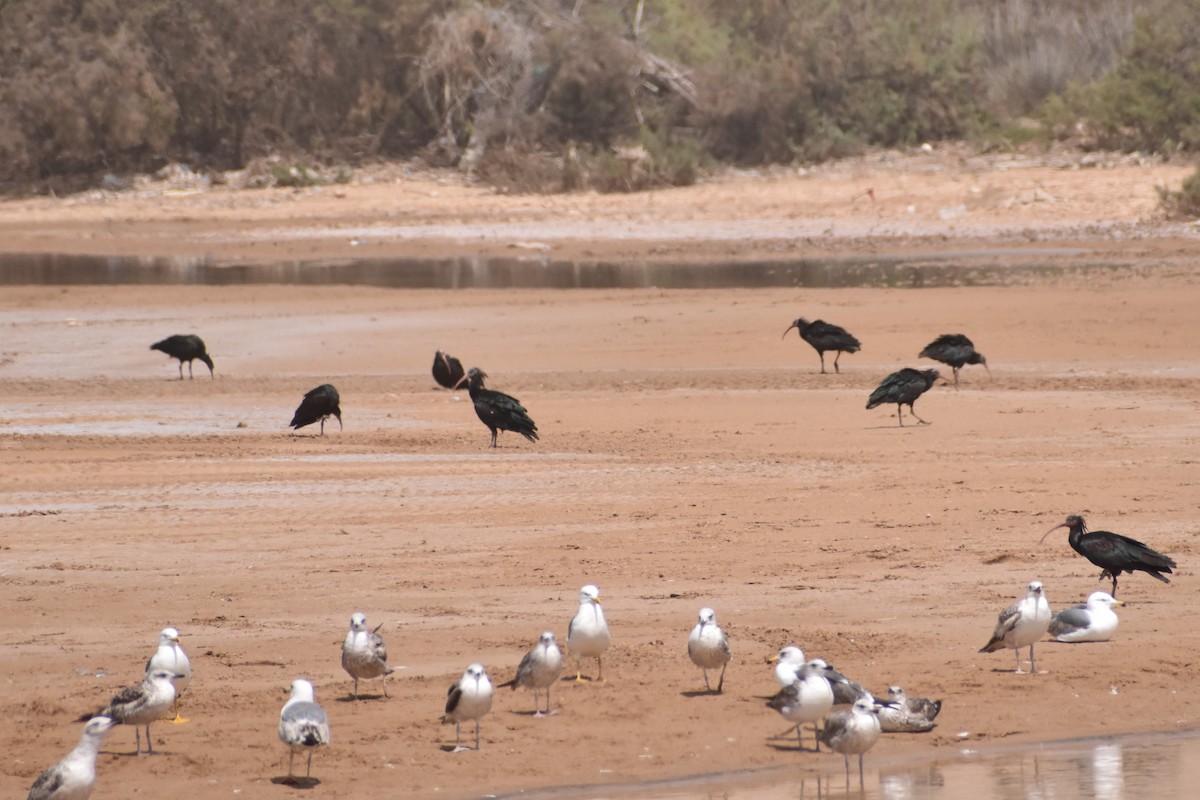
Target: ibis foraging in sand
{"x": 903, "y": 388}
{"x": 185, "y": 347}
{"x": 954, "y": 350}
{"x": 317, "y": 406}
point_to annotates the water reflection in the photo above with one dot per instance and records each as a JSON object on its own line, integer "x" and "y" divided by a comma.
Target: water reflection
{"x": 966, "y": 268}
{"x": 1140, "y": 767}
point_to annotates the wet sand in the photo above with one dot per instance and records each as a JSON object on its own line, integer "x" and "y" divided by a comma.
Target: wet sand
{"x": 689, "y": 457}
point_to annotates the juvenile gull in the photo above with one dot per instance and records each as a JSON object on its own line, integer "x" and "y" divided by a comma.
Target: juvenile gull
{"x": 903, "y": 714}
{"x": 170, "y": 657}
{"x": 807, "y": 699}
{"x": 74, "y": 776}
{"x": 468, "y": 699}
{"x": 364, "y": 654}
{"x": 787, "y": 661}
{"x": 141, "y": 704}
{"x": 853, "y": 732}
{"x": 302, "y": 725}
{"x": 538, "y": 670}
{"x": 708, "y": 647}
{"x": 1022, "y": 624}
{"x": 1093, "y": 621}
{"x": 587, "y": 635}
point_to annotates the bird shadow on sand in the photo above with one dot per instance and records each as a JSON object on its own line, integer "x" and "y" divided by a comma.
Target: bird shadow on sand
{"x": 373, "y": 698}
{"x": 699, "y": 693}
{"x": 296, "y": 782}
{"x": 534, "y": 713}
{"x": 791, "y": 747}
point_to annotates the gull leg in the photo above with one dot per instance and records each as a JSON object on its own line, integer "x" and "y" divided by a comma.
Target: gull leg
{"x": 707, "y": 688}
{"x": 458, "y": 748}
{"x": 721, "y": 682}
{"x": 384, "y": 682}
{"x": 860, "y": 769}
{"x": 308, "y": 769}
{"x": 291, "y": 755}
{"x": 476, "y": 734}
{"x": 179, "y": 719}
{"x": 599, "y": 670}
{"x": 1018, "y": 670}
{"x": 579, "y": 670}
{"x": 817, "y": 736}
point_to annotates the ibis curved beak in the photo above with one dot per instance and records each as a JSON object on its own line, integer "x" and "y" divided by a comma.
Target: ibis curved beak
{"x": 789, "y": 328}
{"x": 1052, "y": 530}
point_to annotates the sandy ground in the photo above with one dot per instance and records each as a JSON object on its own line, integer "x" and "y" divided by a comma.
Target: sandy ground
{"x": 689, "y": 457}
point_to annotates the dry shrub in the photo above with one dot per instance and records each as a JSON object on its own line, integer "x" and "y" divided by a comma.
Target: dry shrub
{"x": 1035, "y": 48}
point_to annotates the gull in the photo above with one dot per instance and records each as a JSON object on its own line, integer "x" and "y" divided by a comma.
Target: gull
{"x": 141, "y": 704}
{"x": 364, "y": 654}
{"x": 73, "y": 777}
{"x": 845, "y": 691}
{"x": 787, "y": 661}
{"x": 587, "y": 635}
{"x": 807, "y": 699}
{"x": 903, "y": 714}
{"x": 708, "y": 647}
{"x": 538, "y": 670}
{"x": 1093, "y": 621}
{"x": 302, "y": 725}
{"x": 469, "y": 698}
{"x": 1022, "y": 624}
{"x": 170, "y": 656}
{"x": 853, "y": 732}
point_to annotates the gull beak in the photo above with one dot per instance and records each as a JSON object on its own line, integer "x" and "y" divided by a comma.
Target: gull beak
{"x": 772, "y": 659}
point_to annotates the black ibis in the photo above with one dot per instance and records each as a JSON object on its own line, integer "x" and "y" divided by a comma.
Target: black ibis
{"x": 1112, "y": 552}
{"x": 825, "y": 336}
{"x": 954, "y": 350}
{"x": 318, "y": 404}
{"x": 499, "y": 411}
{"x": 185, "y": 347}
{"x": 447, "y": 370}
{"x": 903, "y": 388}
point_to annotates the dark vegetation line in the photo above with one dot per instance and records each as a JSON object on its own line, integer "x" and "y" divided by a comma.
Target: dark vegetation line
{"x": 552, "y": 95}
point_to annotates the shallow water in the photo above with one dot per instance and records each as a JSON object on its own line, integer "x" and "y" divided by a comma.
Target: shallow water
{"x": 960, "y": 268}
{"x": 1163, "y": 766}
